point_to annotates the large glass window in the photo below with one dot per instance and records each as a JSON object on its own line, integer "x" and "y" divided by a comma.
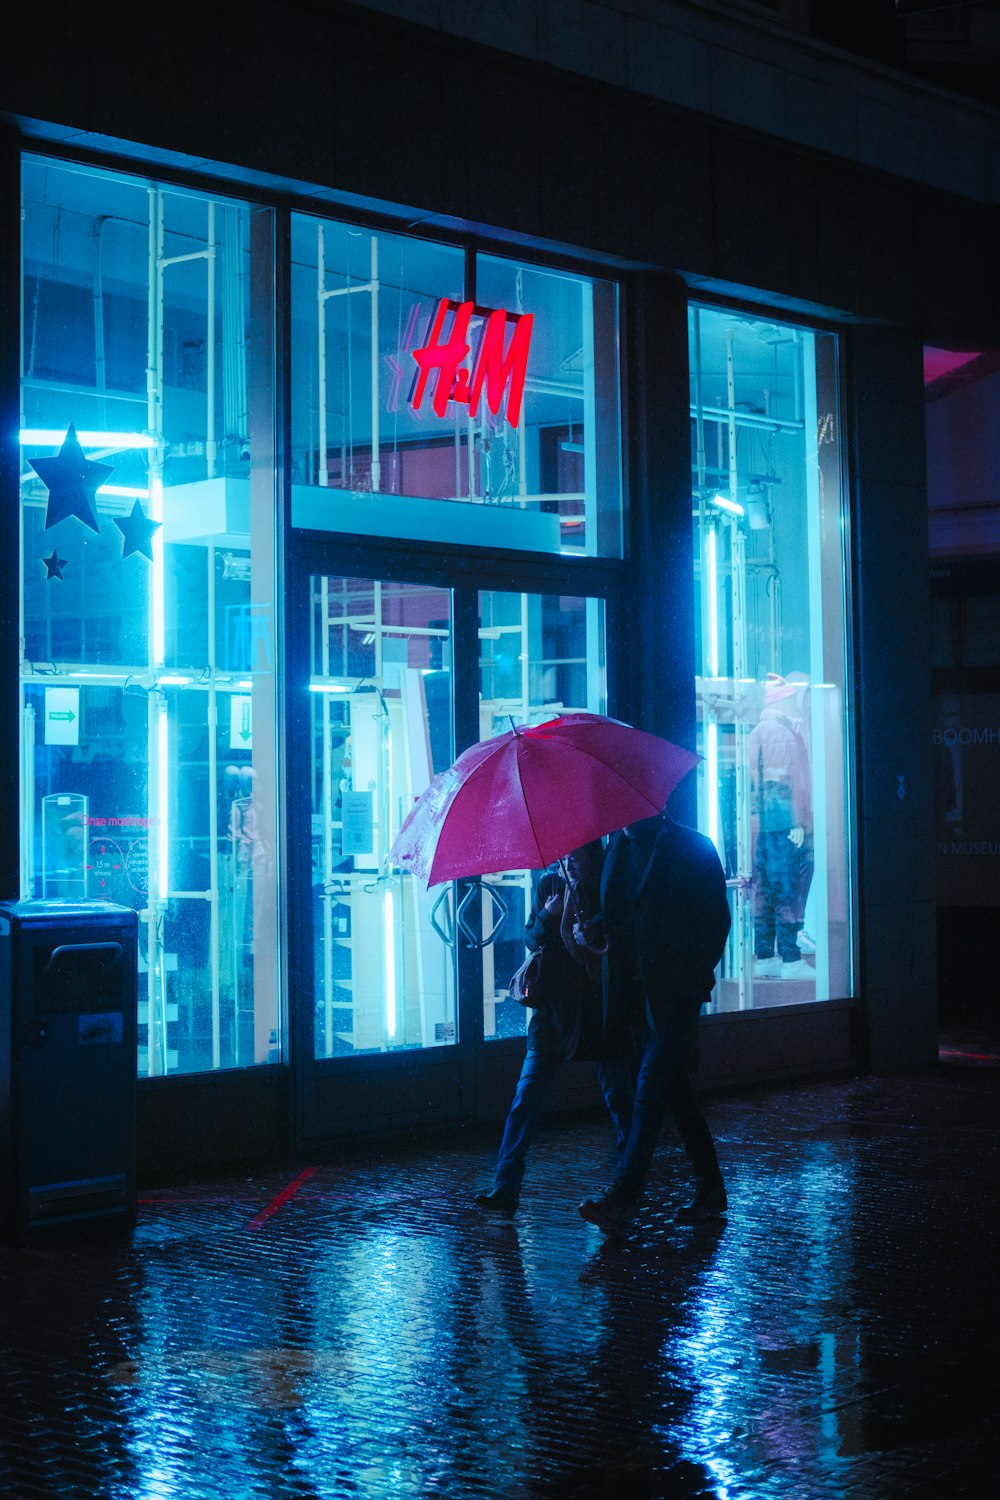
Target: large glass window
{"x": 381, "y": 695}
{"x": 540, "y": 655}
{"x": 148, "y": 649}
{"x": 963, "y": 458}
{"x": 771, "y": 648}
{"x": 421, "y": 376}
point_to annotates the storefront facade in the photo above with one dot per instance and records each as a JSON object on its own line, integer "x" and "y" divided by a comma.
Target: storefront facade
{"x": 317, "y": 488}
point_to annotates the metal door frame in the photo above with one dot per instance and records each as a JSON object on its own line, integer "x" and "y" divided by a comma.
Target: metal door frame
{"x": 431, "y": 1084}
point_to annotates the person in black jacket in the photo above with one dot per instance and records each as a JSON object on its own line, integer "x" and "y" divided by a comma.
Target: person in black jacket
{"x": 666, "y": 913}
{"x": 569, "y": 1025}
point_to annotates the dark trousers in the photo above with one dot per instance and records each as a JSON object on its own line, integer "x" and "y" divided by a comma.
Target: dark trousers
{"x": 778, "y": 895}
{"x": 539, "y": 1069}
{"x": 666, "y": 1085}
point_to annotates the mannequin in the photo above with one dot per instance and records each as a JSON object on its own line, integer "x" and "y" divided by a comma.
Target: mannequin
{"x": 781, "y": 789}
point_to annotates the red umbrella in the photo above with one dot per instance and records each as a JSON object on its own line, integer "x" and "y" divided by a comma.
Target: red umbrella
{"x": 527, "y": 797}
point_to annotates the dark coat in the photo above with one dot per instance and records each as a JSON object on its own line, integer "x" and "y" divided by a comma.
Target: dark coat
{"x": 667, "y": 918}
{"x": 568, "y": 1026}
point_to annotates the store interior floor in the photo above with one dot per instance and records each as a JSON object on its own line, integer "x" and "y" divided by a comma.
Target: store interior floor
{"x": 357, "y": 1328}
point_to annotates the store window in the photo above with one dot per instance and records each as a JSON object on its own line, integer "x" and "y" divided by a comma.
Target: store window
{"x": 147, "y": 677}
{"x": 769, "y": 526}
{"x": 962, "y": 414}
{"x": 447, "y": 398}
{"x": 380, "y": 686}
{"x": 540, "y": 655}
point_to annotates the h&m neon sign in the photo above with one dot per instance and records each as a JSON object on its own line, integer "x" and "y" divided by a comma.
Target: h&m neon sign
{"x": 499, "y": 364}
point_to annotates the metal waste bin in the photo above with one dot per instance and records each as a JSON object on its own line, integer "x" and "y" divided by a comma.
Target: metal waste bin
{"x": 67, "y": 1067}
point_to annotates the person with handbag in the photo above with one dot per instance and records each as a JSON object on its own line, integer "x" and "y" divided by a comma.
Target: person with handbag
{"x": 565, "y": 939}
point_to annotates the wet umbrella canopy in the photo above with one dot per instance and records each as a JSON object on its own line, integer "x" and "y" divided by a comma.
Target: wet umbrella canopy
{"x": 527, "y": 797}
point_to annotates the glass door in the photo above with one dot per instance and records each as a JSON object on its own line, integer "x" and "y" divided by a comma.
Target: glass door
{"x": 396, "y": 988}
{"x": 540, "y": 655}
{"x": 380, "y": 728}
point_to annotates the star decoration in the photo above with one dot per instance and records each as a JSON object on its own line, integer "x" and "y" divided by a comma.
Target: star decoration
{"x": 72, "y": 481}
{"x": 53, "y": 566}
{"x": 137, "y": 532}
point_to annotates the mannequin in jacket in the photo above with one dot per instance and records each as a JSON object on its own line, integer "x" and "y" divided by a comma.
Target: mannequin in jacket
{"x": 781, "y": 792}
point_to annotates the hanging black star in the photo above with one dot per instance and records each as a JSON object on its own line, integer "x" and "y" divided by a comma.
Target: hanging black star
{"x": 53, "y": 566}
{"x": 72, "y": 481}
{"x": 137, "y": 532}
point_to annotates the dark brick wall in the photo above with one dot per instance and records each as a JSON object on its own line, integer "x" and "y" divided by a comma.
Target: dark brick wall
{"x": 390, "y": 113}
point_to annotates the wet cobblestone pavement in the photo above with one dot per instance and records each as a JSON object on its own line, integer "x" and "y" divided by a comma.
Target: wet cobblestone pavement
{"x": 356, "y": 1328}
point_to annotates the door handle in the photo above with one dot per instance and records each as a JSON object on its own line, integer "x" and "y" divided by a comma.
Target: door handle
{"x": 475, "y": 887}
{"x": 448, "y": 929}
{"x": 445, "y": 930}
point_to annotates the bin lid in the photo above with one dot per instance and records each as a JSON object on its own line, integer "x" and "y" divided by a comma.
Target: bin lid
{"x": 63, "y": 911}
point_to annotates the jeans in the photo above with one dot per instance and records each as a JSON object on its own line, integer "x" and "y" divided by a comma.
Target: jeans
{"x": 665, "y": 1084}
{"x": 779, "y": 894}
{"x": 539, "y": 1069}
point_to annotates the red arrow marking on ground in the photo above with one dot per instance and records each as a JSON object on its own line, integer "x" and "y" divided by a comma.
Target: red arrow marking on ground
{"x": 281, "y": 1199}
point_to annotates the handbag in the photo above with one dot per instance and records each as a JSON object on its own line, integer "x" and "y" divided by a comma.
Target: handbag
{"x": 527, "y": 983}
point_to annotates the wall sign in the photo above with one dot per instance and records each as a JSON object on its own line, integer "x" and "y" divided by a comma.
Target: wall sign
{"x": 358, "y": 832}
{"x": 498, "y": 364}
{"x": 62, "y": 716}
{"x": 241, "y": 722}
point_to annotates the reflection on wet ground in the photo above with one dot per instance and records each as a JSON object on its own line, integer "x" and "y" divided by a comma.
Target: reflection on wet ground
{"x": 361, "y": 1330}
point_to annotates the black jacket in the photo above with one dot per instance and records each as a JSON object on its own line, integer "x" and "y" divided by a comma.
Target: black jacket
{"x": 667, "y": 917}
{"x": 567, "y": 1026}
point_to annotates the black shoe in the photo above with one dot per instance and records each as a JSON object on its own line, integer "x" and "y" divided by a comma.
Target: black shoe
{"x": 612, "y": 1212}
{"x": 499, "y": 1201}
{"x": 709, "y": 1202}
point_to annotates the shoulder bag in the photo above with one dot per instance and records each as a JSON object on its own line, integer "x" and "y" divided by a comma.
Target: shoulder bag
{"x": 527, "y": 983}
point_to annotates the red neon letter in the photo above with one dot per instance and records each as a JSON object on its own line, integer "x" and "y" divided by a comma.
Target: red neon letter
{"x": 497, "y": 368}
{"x": 445, "y": 358}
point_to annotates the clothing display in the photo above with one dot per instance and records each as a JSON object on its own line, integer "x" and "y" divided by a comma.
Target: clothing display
{"x": 781, "y": 789}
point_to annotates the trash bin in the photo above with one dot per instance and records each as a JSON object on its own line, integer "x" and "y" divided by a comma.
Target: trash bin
{"x": 67, "y": 1067}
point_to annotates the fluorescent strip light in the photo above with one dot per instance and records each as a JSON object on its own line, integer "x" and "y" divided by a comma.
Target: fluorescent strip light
{"x": 732, "y": 507}
{"x": 55, "y": 436}
{"x": 390, "y": 965}
{"x": 712, "y": 783}
{"x": 712, "y": 603}
{"x": 328, "y": 687}
{"x": 156, "y": 601}
{"x": 162, "y": 743}
{"x": 171, "y": 681}
{"x": 711, "y": 727}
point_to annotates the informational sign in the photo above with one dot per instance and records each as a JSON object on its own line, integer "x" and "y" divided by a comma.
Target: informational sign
{"x": 62, "y": 716}
{"x": 137, "y": 866}
{"x": 241, "y": 722}
{"x": 358, "y": 830}
{"x": 966, "y": 749}
{"x": 498, "y": 364}
{"x": 105, "y": 868}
